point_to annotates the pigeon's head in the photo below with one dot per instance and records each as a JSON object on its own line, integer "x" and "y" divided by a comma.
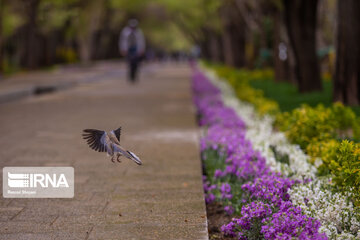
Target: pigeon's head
{"x": 135, "y": 158}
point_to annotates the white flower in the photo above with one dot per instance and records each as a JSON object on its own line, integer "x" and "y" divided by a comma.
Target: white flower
{"x": 335, "y": 213}
{"x": 260, "y": 132}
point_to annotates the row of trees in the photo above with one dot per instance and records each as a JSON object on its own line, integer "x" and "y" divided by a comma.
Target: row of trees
{"x": 36, "y": 33}
{"x": 43, "y": 32}
{"x": 297, "y": 28}
{"x": 283, "y": 34}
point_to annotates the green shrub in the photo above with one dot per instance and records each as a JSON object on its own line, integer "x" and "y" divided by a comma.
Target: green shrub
{"x": 239, "y": 80}
{"x": 306, "y": 125}
{"x": 322, "y": 132}
{"x": 343, "y": 162}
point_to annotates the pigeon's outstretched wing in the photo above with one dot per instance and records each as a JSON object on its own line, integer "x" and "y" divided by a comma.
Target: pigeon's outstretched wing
{"x": 117, "y": 133}
{"x": 95, "y": 139}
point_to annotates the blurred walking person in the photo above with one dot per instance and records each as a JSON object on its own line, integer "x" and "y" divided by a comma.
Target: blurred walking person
{"x": 132, "y": 46}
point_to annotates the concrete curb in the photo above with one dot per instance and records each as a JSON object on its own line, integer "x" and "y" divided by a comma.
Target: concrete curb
{"x": 18, "y": 93}
{"x": 15, "y": 94}
{"x": 24, "y": 92}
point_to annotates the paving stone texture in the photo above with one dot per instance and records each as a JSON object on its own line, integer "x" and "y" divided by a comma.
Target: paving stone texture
{"x": 162, "y": 199}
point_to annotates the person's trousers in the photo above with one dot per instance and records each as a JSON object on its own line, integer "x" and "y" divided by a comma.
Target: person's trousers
{"x": 133, "y": 65}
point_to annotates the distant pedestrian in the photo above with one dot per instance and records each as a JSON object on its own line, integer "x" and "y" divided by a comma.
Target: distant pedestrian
{"x": 132, "y": 46}
{"x": 195, "y": 52}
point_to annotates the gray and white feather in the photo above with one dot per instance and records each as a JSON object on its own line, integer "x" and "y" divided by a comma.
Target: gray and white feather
{"x": 109, "y": 142}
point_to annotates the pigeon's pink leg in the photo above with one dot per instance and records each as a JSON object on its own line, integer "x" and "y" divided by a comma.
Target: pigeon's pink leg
{"x": 118, "y": 156}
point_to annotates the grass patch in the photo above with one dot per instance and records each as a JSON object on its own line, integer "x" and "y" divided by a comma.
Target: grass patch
{"x": 289, "y": 98}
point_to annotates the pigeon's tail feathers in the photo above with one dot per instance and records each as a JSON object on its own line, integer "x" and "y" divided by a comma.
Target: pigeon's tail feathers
{"x": 95, "y": 139}
{"x": 128, "y": 154}
{"x": 135, "y": 158}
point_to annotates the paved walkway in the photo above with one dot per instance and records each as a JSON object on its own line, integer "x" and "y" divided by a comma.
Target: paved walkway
{"x": 162, "y": 199}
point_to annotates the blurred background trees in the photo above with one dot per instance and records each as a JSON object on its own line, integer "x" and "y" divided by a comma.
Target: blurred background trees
{"x": 300, "y": 20}
{"x": 297, "y": 38}
{"x": 347, "y": 75}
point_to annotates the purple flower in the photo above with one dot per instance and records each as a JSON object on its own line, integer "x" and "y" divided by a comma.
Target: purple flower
{"x": 229, "y": 210}
{"x": 209, "y": 198}
{"x": 289, "y": 221}
{"x": 269, "y": 187}
{"x": 225, "y": 190}
{"x": 218, "y": 174}
{"x": 269, "y": 214}
{"x": 229, "y": 229}
{"x": 252, "y": 215}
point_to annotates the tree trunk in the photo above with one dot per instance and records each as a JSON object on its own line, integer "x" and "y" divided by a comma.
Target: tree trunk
{"x": 85, "y": 48}
{"x": 31, "y": 54}
{"x": 300, "y": 18}
{"x": 210, "y": 45}
{"x": 215, "y": 53}
{"x": 204, "y": 45}
{"x": 103, "y": 37}
{"x": 347, "y": 73}
{"x": 52, "y": 40}
{"x": 280, "y": 50}
{"x": 239, "y": 35}
{"x": 233, "y": 36}
{"x": 1, "y": 35}
{"x": 89, "y": 21}
{"x": 227, "y": 45}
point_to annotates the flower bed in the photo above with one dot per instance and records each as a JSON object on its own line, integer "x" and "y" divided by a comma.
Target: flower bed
{"x": 326, "y": 134}
{"x": 256, "y": 174}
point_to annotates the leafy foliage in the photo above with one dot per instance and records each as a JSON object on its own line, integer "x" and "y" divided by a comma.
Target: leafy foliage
{"x": 342, "y": 161}
{"x": 326, "y": 133}
{"x": 240, "y": 80}
{"x": 307, "y": 124}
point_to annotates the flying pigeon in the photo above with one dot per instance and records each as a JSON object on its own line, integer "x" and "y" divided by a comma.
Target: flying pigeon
{"x": 109, "y": 142}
